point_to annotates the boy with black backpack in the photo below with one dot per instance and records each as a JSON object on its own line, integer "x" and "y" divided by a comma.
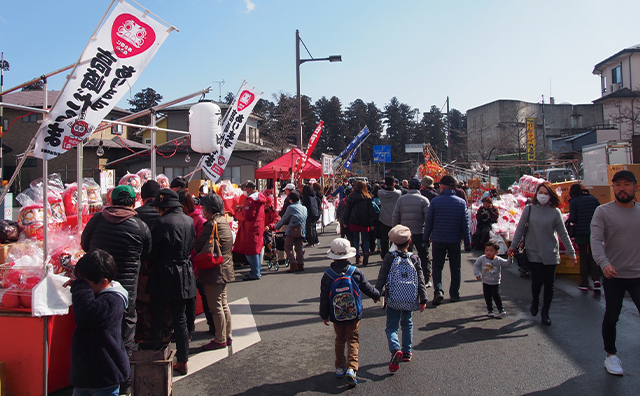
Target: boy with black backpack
{"x": 405, "y": 291}
{"x": 341, "y": 302}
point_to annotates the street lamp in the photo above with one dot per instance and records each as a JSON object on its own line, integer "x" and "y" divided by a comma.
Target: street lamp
{"x": 332, "y": 58}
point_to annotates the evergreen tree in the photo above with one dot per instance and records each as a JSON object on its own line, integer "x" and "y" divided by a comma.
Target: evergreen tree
{"x": 334, "y": 134}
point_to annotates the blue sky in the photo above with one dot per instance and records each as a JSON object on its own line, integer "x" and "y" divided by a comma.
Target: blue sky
{"x": 473, "y": 51}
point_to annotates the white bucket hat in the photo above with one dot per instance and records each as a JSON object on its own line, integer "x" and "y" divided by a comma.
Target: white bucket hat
{"x": 341, "y": 249}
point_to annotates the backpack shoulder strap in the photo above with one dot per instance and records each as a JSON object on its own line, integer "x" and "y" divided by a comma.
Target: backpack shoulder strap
{"x": 332, "y": 274}
{"x": 350, "y": 271}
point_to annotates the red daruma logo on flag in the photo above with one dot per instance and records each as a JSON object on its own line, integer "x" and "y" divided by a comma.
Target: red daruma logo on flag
{"x": 246, "y": 98}
{"x": 130, "y": 36}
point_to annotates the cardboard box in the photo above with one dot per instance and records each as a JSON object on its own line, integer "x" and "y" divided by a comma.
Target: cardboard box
{"x": 603, "y": 193}
{"x": 4, "y": 250}
{"x": 612, "y": 169}
{"x": 566, "y": 265}
{"x": 564, "y": 194}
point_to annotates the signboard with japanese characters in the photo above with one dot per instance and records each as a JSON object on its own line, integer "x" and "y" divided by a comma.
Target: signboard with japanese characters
{"x": 108, "y": 67}
{"x": 326, "y": 165}
{"x": 213, "y": 164}
{"x": 531, "y": 140}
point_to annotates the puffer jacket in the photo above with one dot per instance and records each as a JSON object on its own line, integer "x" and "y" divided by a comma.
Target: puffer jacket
{"x": 171, "y": 273}
{"x": 296, "y": 214}
{"x": 581, "y": 209}
{"x": 447, "y": 220}
{"x": 359, "y": 210}
{"x": 388, "y": 197}
{"x": 411, "y": 211}
{"x": 148, "y": 213}
{"x": 118, "y": 231}
{"x": 341, "y": 267}
{"x": 223, "y": 273}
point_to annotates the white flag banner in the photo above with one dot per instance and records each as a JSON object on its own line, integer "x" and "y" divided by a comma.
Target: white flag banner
{"x": 109, "y": 66}
{"x": 213, "y": 164}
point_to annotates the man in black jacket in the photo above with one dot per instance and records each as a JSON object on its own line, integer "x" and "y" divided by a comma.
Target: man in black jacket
{"x": 146, "y": 212}
{"x": 119, "y": 231}
{"x": 171, "y": 278}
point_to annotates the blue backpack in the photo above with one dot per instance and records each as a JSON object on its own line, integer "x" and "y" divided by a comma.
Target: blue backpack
{"x": 344, "y": 296}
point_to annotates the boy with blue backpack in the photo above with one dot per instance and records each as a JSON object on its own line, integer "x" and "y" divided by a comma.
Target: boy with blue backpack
{"x": 405, "y": 291}
{"x": 341, "y": 302}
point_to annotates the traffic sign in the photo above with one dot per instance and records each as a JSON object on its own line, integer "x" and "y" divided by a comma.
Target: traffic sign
{"x": 413, "y": 148}
{"x": 382, "y": 153}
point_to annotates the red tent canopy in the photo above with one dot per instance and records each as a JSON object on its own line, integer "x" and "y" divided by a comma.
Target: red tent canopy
{"x": 281, "y": 167}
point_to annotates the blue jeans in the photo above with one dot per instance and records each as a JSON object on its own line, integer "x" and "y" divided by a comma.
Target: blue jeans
{"x": 112, "y": 391}
{"x": 254, "y": 263}
{"x": 439, "y": 252}
{"x": 404, "y": 319}
{"x": 365, "y": 241}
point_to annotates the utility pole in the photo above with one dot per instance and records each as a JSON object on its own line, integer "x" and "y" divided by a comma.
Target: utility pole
{"x": 544, "y": 136}
{"x": 2, "y": 131}
{"x": 448, "y": 133}
{"x": 220, "y": 84}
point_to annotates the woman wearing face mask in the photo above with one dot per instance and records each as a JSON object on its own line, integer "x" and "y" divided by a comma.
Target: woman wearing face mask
{"x": 545, "y": 221}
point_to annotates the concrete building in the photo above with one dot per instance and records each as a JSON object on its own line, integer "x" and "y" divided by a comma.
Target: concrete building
{"x": 499, "y": 127}
{"x": 620, "y": 86}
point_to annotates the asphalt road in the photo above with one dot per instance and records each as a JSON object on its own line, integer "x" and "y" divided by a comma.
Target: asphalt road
{"x": 457, "y": 349}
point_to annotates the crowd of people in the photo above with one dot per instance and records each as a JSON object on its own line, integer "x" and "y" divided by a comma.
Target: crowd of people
{"x": 152, "y": 249}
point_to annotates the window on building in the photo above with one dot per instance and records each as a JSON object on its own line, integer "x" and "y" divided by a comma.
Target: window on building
{"x": 147, "y": 141}
{"x": 30, "y": 118}
{"x": 616, "y": 75}
{"x": 232, "y": 173}
{"x": 253, "y": 135}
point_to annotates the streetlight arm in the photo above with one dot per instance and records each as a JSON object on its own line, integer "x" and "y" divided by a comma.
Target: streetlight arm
{"x": 332, "y": 58}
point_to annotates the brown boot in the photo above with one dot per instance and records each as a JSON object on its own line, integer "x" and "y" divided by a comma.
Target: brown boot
{"x": 300, "y": 267}
{"x": 180, "y": 368}
{"x": 365, "y": 259}
{"x": 293, "y": 267}
{"x": 357, "y": 259}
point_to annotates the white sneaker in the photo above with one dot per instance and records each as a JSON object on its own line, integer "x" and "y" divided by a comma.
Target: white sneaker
{"x": 613, "y": 365}
{"x": 351, "y": 377}
{"x": 340, "y": 372}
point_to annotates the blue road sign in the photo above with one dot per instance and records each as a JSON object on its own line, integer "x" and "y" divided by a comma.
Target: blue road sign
{"x": 382, "y": 153}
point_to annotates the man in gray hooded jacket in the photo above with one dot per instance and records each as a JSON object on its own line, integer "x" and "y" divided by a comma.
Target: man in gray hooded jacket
{"x": 411, "y": 211}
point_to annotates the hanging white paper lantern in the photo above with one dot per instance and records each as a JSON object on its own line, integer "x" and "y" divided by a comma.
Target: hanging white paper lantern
{"x": 204, "y": 126}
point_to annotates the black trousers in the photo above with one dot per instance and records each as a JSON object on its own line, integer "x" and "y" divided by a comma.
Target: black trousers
{"x": 588, "y": 265}
{"x": 384, "y": 239}
{"x": 179, "y": 319}
{"x": 191, "y": 309}
{"x": 423, "y": 252}
{"x": 492, "y": 292}
{"x": 311, "y": 232}
{"x": 542, "y": 275}
{"x": 614, "y": 291}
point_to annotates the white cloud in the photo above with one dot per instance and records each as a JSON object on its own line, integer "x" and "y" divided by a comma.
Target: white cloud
{"x": 250, "y": 5}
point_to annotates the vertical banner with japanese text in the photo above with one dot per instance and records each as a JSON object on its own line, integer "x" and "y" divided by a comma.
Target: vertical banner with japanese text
{"x": 213, "y": 164}
{"x": 313, "y": 140}
{"x": 531, "y": 139}
{"x": 108, "y": 67}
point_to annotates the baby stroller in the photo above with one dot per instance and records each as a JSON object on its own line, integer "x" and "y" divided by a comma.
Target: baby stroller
{"x": 273, "y": 242}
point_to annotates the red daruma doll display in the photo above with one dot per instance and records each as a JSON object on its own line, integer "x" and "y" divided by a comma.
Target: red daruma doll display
{"x": 94, "y": 199}
{"x": 134, "y": 181}
{"x": 70, "y": 200}
{"x": 31, "y": 221}
{"x": 58, "y": 217}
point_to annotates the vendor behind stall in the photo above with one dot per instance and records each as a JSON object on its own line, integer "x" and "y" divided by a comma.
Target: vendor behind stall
{"x": 487, "y": 215}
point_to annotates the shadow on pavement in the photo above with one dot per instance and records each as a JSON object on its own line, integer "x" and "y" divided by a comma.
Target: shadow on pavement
{"x": 460, "y": 334}
{"x": 325, "y": 383}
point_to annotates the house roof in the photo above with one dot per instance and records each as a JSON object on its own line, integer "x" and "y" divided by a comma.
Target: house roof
{"x": 187, "y": 106}
{"x": 572, "y": 137}
{"x": 35, "y": 99}
{"x": 116, "y": 143}
{"x": 597, "y": 69}
{"x": 621, "y": 93}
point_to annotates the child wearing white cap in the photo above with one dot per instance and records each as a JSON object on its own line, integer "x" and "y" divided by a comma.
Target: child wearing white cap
{"x": 341, "y": 303}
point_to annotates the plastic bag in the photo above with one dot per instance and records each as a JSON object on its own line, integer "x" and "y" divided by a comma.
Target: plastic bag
{"x": 94, "y": 196}
{"x": 49, "y": 297}
{"x": 9, "y": 231}
{"x": 163, "y": 181}
{"x": 144, "y": 174}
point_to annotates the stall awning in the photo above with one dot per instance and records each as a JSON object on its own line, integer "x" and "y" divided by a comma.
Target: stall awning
{"x": 281, "y": 167}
